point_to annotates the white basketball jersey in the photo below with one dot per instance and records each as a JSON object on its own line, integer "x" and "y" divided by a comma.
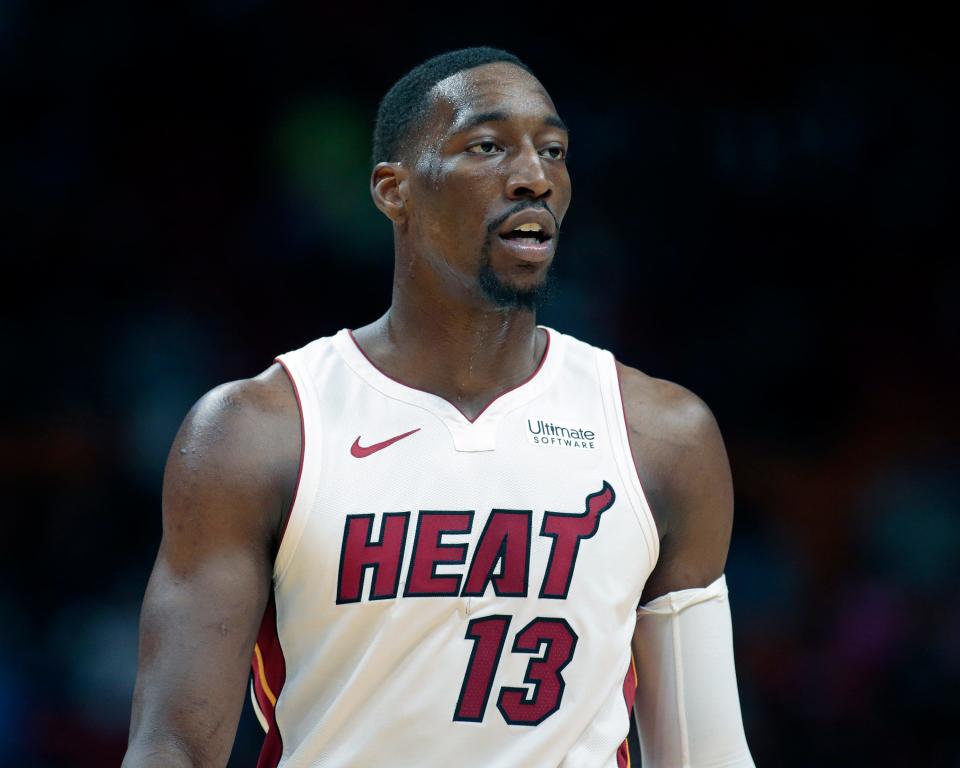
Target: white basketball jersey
{"x": 450, "y": 592}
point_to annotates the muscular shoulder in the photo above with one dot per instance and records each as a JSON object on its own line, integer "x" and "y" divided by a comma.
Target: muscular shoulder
{"x": 233, "y": 463}
{"x": 675, "y": 412}
{"x": 676, "y": 444}
{"x": 261, "y": 405}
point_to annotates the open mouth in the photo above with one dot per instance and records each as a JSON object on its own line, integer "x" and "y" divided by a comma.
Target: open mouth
{"x": 532, "y": 247}
{"x": 529, "y": 238}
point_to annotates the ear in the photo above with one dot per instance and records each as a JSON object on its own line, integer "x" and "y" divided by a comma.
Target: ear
{"x": 389, "y": 187}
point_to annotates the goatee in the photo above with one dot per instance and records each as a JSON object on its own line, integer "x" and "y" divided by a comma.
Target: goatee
{"x": 508, "y": 296}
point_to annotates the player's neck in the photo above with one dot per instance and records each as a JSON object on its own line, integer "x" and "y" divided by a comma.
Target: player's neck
{"x": 467, "y": 355}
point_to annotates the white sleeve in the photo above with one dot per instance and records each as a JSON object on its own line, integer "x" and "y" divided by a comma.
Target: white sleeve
{"x": 688, "y": 707}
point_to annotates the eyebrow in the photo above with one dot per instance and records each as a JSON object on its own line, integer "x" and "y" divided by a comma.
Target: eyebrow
{"x": 499, "y": 116}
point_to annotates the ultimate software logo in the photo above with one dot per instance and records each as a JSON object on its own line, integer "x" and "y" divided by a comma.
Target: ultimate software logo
{"x": 548, "y": 433}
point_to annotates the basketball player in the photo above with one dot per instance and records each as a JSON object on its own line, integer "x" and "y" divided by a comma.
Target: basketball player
{"x": 451, "y": 537}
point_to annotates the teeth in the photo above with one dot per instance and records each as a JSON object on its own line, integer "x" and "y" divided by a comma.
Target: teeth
{"x": 530, "y": 227}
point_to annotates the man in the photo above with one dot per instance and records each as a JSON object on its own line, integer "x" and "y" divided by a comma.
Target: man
{"x": 439, "y": 536}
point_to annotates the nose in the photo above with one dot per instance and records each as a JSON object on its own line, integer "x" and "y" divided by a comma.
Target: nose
{"x": 528, "y": 177}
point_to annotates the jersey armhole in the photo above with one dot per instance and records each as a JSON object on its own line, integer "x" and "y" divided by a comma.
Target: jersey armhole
{"x": 617, "y": 424}
{"x": 300, "y": 503}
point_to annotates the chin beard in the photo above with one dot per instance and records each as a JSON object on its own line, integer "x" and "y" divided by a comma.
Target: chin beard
{"x": 508, "y": 296}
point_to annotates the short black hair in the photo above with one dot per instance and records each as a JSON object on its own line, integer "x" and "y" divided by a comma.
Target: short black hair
{"x": 404, "y": 106}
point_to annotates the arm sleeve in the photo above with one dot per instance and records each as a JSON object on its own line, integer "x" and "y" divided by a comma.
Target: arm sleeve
{"x": 688, "y": 706}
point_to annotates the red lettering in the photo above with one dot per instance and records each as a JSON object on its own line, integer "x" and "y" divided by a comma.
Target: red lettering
{"x": 359, "y": 552}
{"x": 567, "y": 531}
{"x": 506, "y": 537}
{"x": 429, "y": 552}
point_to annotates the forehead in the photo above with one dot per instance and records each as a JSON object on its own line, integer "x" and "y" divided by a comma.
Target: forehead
{"x": 499, "y": 87}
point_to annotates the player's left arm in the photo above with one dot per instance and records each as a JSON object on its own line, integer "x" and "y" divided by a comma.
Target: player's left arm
{"x": 687, "y": 704}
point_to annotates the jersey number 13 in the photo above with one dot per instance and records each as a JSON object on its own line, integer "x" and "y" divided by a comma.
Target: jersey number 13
{"x": 515, "y": 704}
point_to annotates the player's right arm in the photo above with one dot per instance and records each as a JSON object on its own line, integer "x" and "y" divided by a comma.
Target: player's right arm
{"x": 227, "y": 486}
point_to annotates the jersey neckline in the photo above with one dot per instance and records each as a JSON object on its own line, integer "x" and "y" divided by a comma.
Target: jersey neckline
{"x": 505, "y": 401}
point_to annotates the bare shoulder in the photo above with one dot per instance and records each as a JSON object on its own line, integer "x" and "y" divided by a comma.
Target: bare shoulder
{"x": 266, "y": 401}
{"x": 676, "y": 444}
{"x": 675, "y": 413}
{"x": 248, "y": 422}
{"x": 240, "y": 442}
{"x": 230, "y": 474}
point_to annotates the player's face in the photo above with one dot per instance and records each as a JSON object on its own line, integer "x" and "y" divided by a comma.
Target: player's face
{"x": 495, "y": 148}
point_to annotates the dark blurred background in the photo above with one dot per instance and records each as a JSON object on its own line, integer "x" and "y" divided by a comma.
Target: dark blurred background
{"x": 759, "y": 213}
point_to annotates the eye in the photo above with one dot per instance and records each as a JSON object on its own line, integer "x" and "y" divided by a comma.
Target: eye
{"x": 561, "y": 153}
{"x": 481, "y": 144}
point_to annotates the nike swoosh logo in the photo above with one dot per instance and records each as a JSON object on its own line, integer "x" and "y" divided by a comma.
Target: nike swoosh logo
{"x": 362, "y": 451}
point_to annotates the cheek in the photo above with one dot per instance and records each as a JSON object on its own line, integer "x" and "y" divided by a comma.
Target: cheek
{"x": 456, "y": 217}
{"x": 455, "y": 205}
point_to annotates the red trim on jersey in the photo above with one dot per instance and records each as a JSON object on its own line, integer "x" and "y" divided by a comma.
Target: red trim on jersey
{"x": 629, "y": 694}
{"x": 303, "y": 447}
{"x": 543, "y": 359}
{"x": 623, "y": 755}
{"x": 626, "y": 425}
{"x": 269, "y": 675}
